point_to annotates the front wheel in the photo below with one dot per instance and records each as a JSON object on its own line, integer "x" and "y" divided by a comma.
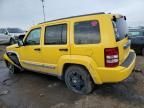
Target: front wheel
{"x": 12, "y": 69}
{"x": 78, "y": 80}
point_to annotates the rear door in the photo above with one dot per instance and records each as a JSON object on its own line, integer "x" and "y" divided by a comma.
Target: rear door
{"x": 55, "y": 45}
{"x": 121, "y": 36}
{"x": 86, "y": 39}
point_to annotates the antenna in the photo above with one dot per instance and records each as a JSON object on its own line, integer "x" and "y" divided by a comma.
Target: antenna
{"x": 43, "y": 9}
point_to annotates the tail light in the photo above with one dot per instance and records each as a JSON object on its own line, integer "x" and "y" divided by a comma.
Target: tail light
{"x": 111, "y": 57}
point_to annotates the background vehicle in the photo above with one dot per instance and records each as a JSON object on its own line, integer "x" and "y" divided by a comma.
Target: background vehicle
{"x": 136, "y": 35}
{"x": 82, "y": 50}
{"x": 10, "y": 35}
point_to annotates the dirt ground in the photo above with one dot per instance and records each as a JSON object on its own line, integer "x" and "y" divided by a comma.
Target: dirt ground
{"x": 32, "y": 90}
{"x": 2, "y": 49}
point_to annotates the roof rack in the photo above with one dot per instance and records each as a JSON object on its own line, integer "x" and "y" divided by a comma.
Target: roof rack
{"x": 74, "y": 17}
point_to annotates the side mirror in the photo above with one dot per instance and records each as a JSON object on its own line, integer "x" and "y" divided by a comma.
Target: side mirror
{"x": 21, "y": 37}
{"x": 20, "y": 43}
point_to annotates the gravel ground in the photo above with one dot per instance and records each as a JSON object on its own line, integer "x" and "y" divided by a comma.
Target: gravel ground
{"x": 32, "y": 90}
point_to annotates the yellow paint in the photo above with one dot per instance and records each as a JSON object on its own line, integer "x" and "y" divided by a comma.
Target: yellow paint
{"x": 51, "y": 60}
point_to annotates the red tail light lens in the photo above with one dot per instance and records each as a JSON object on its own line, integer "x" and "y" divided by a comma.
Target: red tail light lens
{"x": 111, "y": 57}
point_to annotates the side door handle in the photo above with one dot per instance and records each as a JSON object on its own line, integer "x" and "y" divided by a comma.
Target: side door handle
{"x": 37, "y": 49}
{"x": 63, "y": 49}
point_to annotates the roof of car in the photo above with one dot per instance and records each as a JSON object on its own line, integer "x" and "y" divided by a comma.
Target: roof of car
{"x": 74, "y": 17}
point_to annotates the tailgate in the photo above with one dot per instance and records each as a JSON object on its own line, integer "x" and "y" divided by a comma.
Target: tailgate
{"x": 121, "y": 37}
{"x": 124, "y": 49}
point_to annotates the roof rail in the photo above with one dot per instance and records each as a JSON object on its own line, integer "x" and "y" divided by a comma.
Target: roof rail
{"x": 74, "y": 17}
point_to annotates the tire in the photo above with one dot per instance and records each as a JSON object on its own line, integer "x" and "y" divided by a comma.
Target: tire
{"x": 142, "y": 51}
{"x": 12, "y": 69}
{"x": 12, "y": 41}
{"x": 78, "y": 80}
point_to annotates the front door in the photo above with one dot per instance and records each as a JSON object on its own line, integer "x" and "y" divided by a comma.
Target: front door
{"x": 30, "y": 53}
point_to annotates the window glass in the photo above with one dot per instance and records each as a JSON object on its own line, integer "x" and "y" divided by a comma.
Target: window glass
{"x": 33, "y": 37}
{"x": 87, "y": 32}
{"x": 56, "y": 34}
{"x": 120, "y": 28}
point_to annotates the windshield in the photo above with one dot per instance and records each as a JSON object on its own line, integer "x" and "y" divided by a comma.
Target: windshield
{"x": 15, "y": 30}
{"x": 121, "y": 29}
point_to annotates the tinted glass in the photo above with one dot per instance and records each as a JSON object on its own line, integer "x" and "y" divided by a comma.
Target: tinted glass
{"x": 121, "y": 29}
{"x": 56, "y": 34}
{"x": 33, "y": 37}
{"x": 87, "y": 32}
{"x": 15, "y": 30}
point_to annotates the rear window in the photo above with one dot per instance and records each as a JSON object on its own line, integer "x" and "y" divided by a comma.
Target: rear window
{"x": 87, "y": 32}
{"x": 120, "y": 28}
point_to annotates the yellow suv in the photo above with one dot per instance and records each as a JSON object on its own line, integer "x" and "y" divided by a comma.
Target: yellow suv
{"x": 82, "y": 50}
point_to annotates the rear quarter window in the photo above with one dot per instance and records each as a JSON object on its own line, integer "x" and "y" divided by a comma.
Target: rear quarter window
{"x": 87, "y": 32}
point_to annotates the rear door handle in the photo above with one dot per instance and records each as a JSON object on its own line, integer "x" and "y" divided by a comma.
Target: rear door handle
{"x": 63, "y": 49}
{"x": 37, "y": 49}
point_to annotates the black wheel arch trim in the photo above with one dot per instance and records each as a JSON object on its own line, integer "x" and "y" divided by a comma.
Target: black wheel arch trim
{"x": 14, "y": 57}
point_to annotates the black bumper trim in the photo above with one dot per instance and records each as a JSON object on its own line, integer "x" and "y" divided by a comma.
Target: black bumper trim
{"x": 129, "y": 59}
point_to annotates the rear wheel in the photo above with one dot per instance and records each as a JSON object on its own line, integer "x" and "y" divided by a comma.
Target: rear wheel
{"x": 13, "y": 69}
{"x": 78, "y": 80}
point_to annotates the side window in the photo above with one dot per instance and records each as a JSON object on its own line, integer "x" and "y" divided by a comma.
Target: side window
{"x": 33, "y": 37}
{"x": 56, "y": 35}
{"x": 87, "y": 32}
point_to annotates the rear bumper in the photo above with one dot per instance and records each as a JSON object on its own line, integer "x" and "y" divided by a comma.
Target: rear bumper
{"x": 117, "y": 74}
